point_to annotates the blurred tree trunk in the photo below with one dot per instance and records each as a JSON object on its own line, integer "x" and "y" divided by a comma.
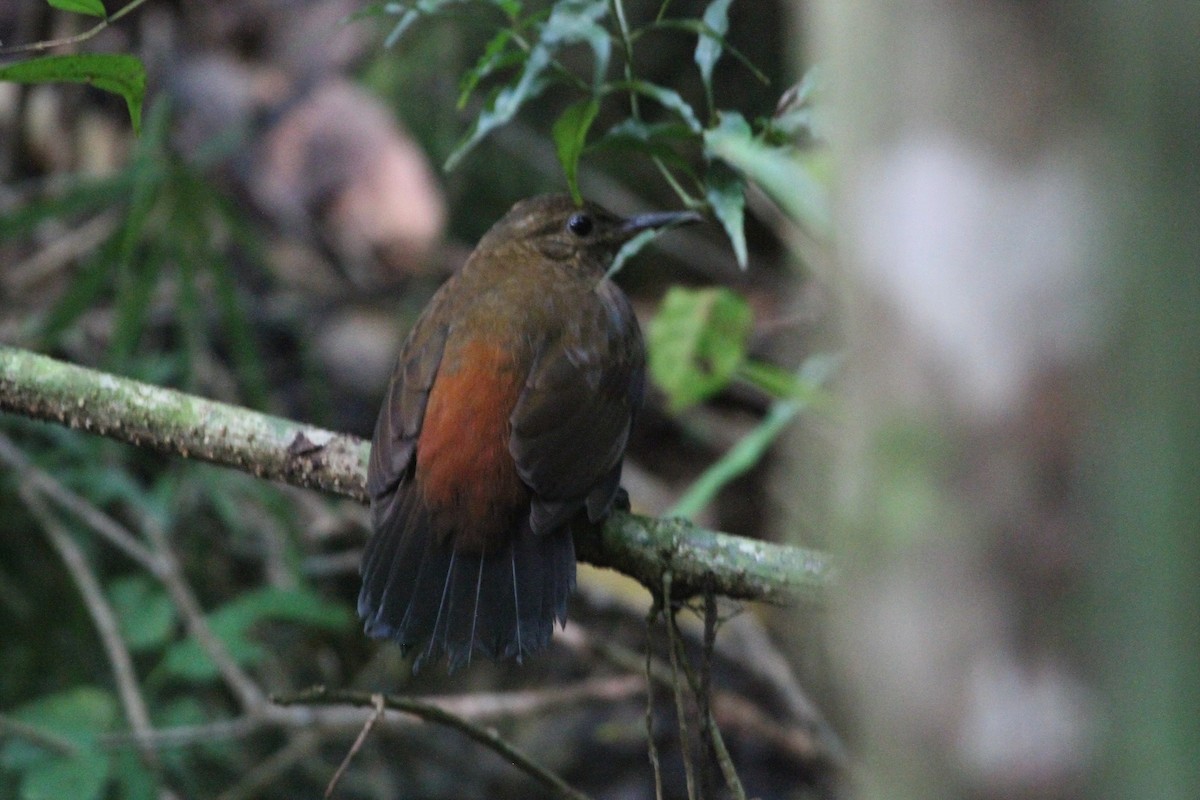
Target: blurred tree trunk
{"x": 1019, "y": 503}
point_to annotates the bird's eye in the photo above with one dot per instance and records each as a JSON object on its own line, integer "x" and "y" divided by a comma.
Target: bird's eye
{"x": 580, "y": 224}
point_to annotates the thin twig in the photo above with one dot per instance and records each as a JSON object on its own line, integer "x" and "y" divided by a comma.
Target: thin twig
{"x": 704, "y": 692}
{"x": 67, "y": 245}
{"x": 159, "y": 562}
{"x": 716, "y": 740}
{"x": 50, "y": 44}
{"x": 268, "y": 771}
{"x": 116, "y": 534}
{"x": 651, "y": 742}
{"x": 47, "y": 740}
{"x": 358, "y": 743}
{"x": 249, "y": 696}
{"x": 477, "y": 707}
{"x": 431, "y": 713}
{"x": 689, "y": 770}
{"x": 105, "y": 619}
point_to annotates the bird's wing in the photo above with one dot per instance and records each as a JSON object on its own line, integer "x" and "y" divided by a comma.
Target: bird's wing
{"x": 572, "y": 420}
{"x": 403, "y": 411}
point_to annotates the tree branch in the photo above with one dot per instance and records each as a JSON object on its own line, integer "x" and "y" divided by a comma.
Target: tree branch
{"x": 303, "y": 455}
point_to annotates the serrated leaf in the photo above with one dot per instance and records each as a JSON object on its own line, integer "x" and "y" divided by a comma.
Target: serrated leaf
{"x": 81, "y": 776}
{"x": 113, "y": 72}
{"x": 725, "y": 192}
{"x": 570, "y": 135}
{"x": 144, "y": 610}
{"x": 708, "y": 48}
{"x": 93, "y": 8}
{"x": 696, "y": 342}
{"x": 233, "y": 624}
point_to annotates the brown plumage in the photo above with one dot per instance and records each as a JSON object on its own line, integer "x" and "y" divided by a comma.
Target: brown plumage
{"x": 505, "y": 420}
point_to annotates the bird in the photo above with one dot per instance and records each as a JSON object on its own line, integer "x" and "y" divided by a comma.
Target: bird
{"x": 503, "y": 427}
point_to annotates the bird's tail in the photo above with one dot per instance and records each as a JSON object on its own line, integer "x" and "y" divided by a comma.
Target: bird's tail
{"x": 432, "y": 599}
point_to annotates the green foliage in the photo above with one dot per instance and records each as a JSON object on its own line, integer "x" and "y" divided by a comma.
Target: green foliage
{"x": 144, "y": 610}
{"x": 799, "y": 390}
{"x": 696, "y": 342}
{"x": 697, "y": 347}
{"x": 113, "y": 72}
{"x": 522, "y": 61}
{"x": 93, "y": 8}
{"x": 60, "y": 757}
{"x": 168, "y": 213}
{"x": 170, "y": 246}
{"x": 81, "y": 775}
{"x": 570, "y": 135}
{"x": 234, "y": 624}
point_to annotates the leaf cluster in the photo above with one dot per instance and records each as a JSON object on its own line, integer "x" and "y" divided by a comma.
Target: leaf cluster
{"x": 527, "y": 56}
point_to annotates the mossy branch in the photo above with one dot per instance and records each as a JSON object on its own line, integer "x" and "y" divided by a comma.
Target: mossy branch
{"x": 303, "y": 455}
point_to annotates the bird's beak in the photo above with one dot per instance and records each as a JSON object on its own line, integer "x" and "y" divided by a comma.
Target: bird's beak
{"x": 655, "y": 220}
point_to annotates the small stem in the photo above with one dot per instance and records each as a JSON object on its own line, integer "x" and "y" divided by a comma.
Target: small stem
{"x": 105, "y": 619}
{"x": 49, "y": 44}
{"x": 680, "y": 699}
{"x": 358, "y": 743}
{"x": 618, "y": 7}
{"x": 651, "y": 742}
{"x": 431, "y": 713}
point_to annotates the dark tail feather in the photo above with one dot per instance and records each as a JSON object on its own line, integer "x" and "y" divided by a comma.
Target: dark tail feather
{"x": 433, "y": 600}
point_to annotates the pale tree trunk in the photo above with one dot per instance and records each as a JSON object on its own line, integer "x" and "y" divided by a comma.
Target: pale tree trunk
{"x": 1020, "y": 495}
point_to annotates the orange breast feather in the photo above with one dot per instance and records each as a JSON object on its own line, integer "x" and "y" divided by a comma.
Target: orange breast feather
{"x": 464, "y": 470}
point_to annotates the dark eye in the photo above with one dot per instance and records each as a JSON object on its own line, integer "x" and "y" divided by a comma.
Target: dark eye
{"x": 580, "y": 224}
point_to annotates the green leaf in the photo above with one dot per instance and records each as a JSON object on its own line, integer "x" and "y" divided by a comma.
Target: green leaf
{"x": 801, "y": 389}
{"x": 497, "y": 55}
{"x": 796, "y": 114}
{"x": 505, "y": 104}
{"x": 93, "y": 8}
{"x": 630, "y": 249}
{"x": 574, "y": 21}
{"x": 243, "y": 349}
{"x": 233, "y": 624}
{"x": 76, "y": 715}
{"x": 146, "y": 613}
{"x": 570, "y": 135}
{"x": 796, "y": 181}
{"x": 81, "y": 776}
{"x": 696, "y": 342}
{"x": 668, "y": 98}
{"x": 708, "y": 48}
{"x": 702, "y": 30}
{"x": 130, "y": 774}
{"x": 408, "y": 16}
{"x": 725, "y": 192}
{"x": 570, "y": 22}
{"x": 739, "y": 460}
{"x": 113, "y": 72}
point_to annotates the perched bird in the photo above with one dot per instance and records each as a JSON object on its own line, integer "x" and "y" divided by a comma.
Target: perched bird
{"x": 505, "y": 420}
